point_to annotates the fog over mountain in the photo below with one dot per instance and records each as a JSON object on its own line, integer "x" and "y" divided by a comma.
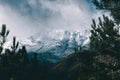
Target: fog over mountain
{"x": 27, "y": 17}
{"x": 56, "y": 45}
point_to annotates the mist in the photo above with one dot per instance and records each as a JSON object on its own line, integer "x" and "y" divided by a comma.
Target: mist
{"x": 27, "y": 17}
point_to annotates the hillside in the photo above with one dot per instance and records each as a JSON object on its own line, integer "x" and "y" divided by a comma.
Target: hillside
{"x": 87, "y": 65}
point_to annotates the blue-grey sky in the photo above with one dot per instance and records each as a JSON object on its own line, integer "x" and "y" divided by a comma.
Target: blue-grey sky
{"x": 27, "y": 17}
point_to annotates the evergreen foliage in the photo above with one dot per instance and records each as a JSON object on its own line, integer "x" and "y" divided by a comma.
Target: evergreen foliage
{"x": 15, "y": 45}
{"x": 105, "y": 35}
{"x": 111, "y": 5}
{"x": 83, "y": 65}
{"x": 3, "y": 35}
{"x": 14, "y": 64}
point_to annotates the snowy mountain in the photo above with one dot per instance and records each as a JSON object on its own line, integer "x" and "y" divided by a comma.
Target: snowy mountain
{"x": 57, "y": 43}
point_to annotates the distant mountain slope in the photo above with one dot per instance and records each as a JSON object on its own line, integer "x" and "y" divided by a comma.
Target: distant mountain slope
{"x": 87, "y": 65}
{"x": 57, "y": 43}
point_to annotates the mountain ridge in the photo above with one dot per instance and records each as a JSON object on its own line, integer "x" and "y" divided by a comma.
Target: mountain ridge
{"x": 57, "y": 43}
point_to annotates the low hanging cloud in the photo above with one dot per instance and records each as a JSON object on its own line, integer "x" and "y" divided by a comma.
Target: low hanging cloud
{"x": 27, "y": 17}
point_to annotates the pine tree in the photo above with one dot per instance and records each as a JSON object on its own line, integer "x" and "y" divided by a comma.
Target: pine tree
{"x": 111, "y": 5}
{"x": 3, "y": 35}
{"x": 105, "y": 35}
{"x": 15, "y": 45}
{"x": 24, "y": 55}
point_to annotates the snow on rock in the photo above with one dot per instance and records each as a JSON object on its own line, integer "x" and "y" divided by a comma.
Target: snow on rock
{"x": 59, "y": 43}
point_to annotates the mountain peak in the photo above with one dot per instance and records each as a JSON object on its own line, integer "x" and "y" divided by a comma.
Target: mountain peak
{"x": 59, "y": 43}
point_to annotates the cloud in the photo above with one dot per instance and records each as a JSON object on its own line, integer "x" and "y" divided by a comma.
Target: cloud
{"x": 27, "y": 17}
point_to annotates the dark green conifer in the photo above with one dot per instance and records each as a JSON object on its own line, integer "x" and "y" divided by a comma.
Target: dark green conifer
{"x": 24, "y": 55}
{"x": 3, "y": 35}
{"x": 15, "y": 45}
{"x": 105, "y": 35}
{"x": 110, "y": 5}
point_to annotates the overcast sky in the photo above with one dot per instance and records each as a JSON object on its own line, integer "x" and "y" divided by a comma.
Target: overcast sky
{"x": 27, "y": 17}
